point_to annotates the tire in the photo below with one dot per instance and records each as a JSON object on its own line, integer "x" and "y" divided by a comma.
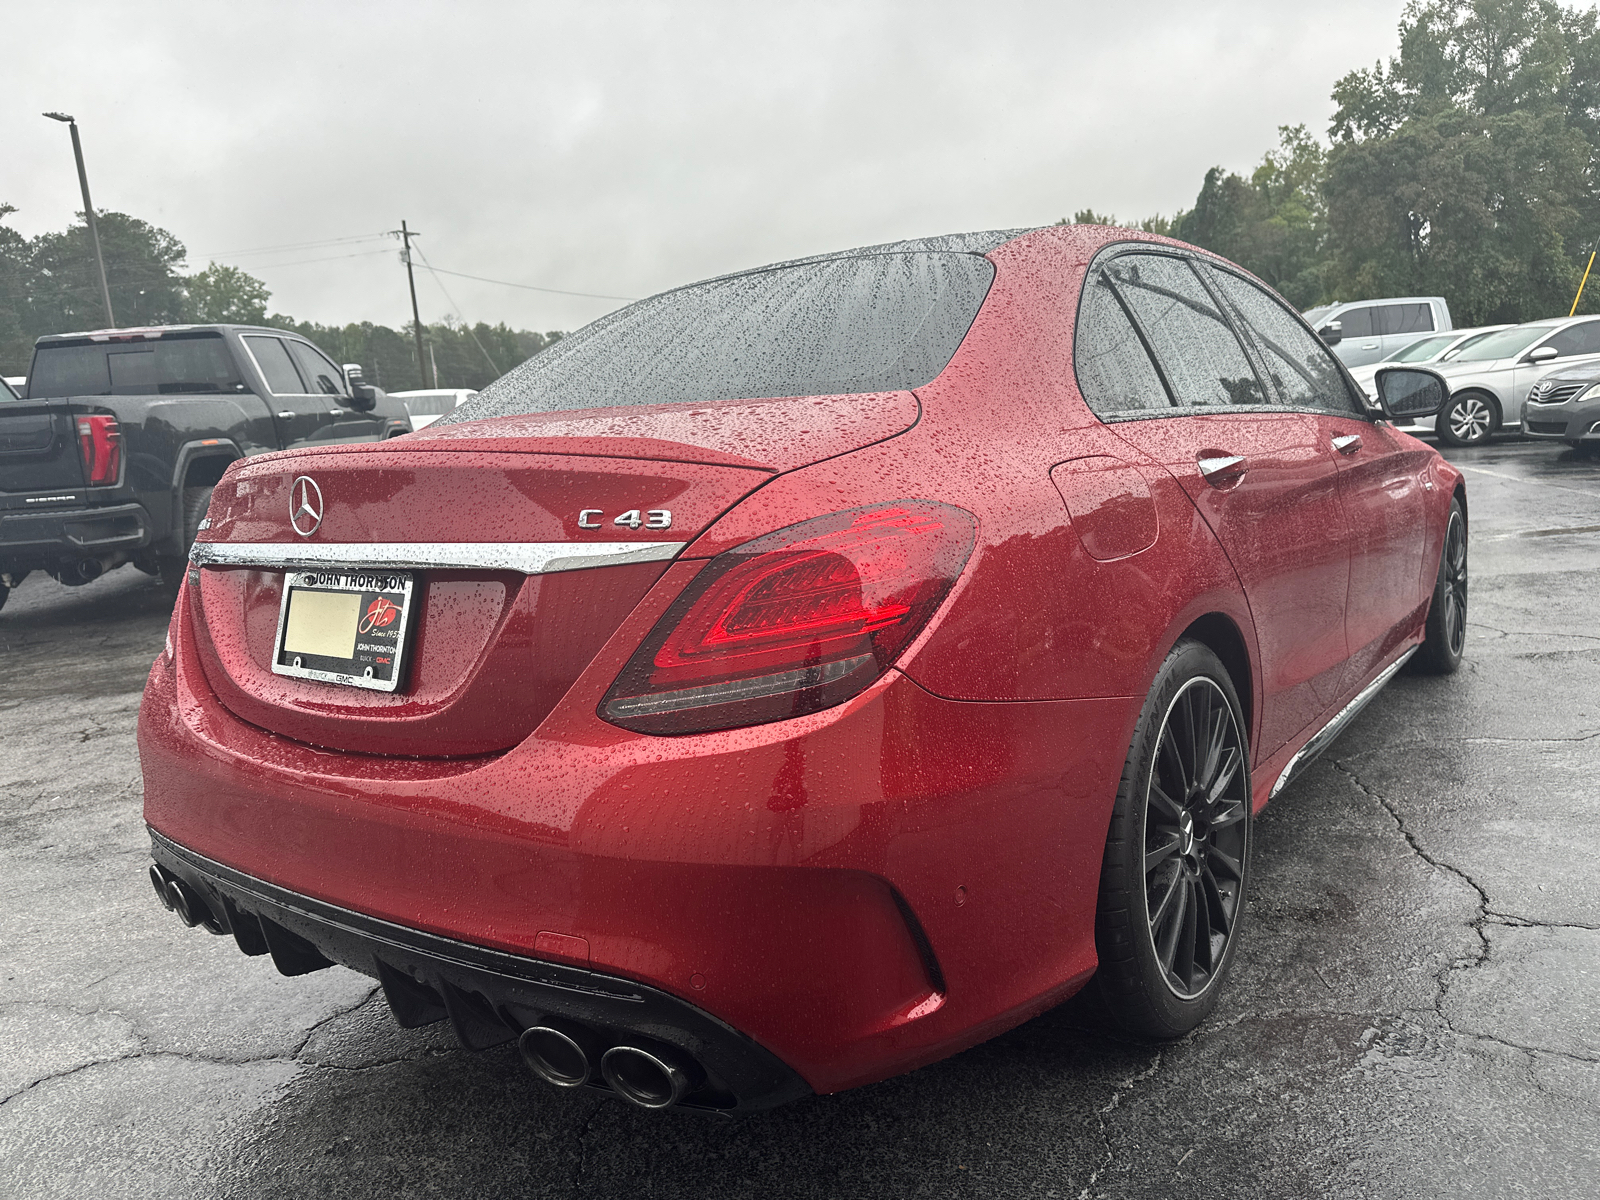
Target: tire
{"x": 1186, "y": 859}
{"x": 1444, "y": 641}
{"x": 1467, "y": 419}
{"x": 195, "y": 502}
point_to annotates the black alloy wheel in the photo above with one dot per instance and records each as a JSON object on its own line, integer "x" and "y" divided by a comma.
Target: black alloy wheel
{"x": 1467, "y": 420}
{"x": 1444, "y": 640}
{"x": 1177, "y": 858}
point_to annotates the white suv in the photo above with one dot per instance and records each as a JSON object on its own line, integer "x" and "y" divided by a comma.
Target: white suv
{"x": 1491, "y": 378}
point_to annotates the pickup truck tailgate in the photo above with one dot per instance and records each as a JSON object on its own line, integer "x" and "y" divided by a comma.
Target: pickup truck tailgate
{"x": 38, "y": 452}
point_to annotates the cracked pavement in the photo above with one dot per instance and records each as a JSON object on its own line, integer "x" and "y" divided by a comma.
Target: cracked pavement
{"x": 1414, "y": 1011}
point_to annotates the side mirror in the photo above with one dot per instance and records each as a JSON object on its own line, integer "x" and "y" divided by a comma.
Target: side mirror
{"x": 1543, "y": 354}
{"x": 1332, "y": 333}
{"x": 1409, "y": 393}
{"x": 363, "y": 396}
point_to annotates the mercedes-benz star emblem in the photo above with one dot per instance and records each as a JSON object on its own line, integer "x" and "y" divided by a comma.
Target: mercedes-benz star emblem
{"x": 305, "y": 505}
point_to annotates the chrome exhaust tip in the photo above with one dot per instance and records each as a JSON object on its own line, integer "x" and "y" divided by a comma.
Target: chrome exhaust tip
{"x": 643, "y": 1078}
{"x": 562, "y": 1055}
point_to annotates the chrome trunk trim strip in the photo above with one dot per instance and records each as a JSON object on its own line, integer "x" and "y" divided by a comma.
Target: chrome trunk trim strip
{"x": 530, "y": 558}
{"x": 1325, "y": 736}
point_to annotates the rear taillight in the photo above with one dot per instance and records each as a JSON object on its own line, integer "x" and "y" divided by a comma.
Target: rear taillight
{"x": 795, "y": 621}
{"x": 100, "y": 443}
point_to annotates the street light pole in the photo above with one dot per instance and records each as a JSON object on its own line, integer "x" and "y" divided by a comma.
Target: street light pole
{"x": 88, "y": 212}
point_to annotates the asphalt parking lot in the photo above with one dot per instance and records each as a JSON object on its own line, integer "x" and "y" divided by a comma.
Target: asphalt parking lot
{"x": 1415, "y": 1012}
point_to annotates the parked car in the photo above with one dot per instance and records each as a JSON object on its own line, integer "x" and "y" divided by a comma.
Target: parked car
{"x": 1438, "y": 347}
{"x": 1565, "y": 406}
{"x": 428, "y": 406}
{"x": 1491, "y": 378}
{"x": 111, "y": 456}
{"x": 796, "y": 677}
{"x": 1364, "y": 331}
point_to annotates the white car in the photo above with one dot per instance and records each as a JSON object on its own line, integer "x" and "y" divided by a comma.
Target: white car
{"x": 429, "y": 405}
{"x": 1437, "y": 347}
{"x": 1491, "y": 378}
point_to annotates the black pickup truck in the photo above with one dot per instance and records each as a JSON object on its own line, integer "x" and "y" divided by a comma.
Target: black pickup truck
{"x": 110, "y": 454}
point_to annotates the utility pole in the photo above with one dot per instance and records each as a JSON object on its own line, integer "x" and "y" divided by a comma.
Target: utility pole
{"x": 416, "y": 321}
{"x": 88, "y": 214}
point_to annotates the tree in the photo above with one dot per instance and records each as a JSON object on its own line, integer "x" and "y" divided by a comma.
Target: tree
{"x": 16, "y": 342}
{"x": 1463, "y": 168}
{"x": 226, "y": 294}
{"x": 142, "y": 272}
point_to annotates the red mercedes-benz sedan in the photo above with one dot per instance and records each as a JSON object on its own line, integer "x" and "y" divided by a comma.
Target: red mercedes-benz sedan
{"x": 797, "y": 677}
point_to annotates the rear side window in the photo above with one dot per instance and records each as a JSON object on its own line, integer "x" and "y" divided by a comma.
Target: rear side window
{"x": 1356, "y": 322}
{"x": 144, "y": 367}
{"x": 1404, "y": 318}
{"x": 1577, "y": 339}
{"x": 1193, "y": 342}
{"x": 865, "y": 323}
{"x": 276, "y": 367}
{"x": 1114, "y": 370}
{"x": 1302, "y": 371}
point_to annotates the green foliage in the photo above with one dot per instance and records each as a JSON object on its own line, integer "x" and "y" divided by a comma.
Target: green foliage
{"x": 1464, "y": 167}
{"x": 49, "y": 284}
{"x": 142, "y": 272}
{"x": 226, "y": 295}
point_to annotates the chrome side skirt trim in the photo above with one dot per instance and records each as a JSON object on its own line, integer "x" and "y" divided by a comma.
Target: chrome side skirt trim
{"x": 530, "y": 558}
{"x": 1325, "y": 736}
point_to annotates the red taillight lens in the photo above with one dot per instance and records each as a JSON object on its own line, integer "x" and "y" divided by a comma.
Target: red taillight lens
{"x": 100, "y": 443}
{"x": 795, "y": 621}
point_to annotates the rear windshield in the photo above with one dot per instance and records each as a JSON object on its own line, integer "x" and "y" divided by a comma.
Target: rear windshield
{"x": 868, "y": 323}
{"x": 1505, "y": 344}
{"x": 169, "y": 364}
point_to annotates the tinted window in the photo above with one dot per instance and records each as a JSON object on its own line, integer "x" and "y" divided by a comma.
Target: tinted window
{"x": 1355, "y": 322}
{"x": 1403, "y": 318}
{"x": 147, "y": 367}
{"x": 1192, "y": 340}
{"x": 320, "y": 374}
{"x": 1303, "y": 372}
{"x": 273, "y": 359}
{"x": 1578, "y": 339}
{"x": 1114, "y": 371}
{"x": 864, "y": 323}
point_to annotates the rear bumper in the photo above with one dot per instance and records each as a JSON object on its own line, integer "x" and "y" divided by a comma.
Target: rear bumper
{"x": 49, "y": 536}
{"x": 859, "y": 891}
{"x": 488, "y": 996}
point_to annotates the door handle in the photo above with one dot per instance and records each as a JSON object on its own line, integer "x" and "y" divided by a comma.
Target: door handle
{"x": 286, "y": 415}
{"x": 1370, "y": 346}
{"x": 1347, "y": 443}
{"x": 1220, "y": 470}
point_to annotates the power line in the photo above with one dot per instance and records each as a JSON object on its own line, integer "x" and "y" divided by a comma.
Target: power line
{"x": 362, "y": 237}
{"x": 529, "y": 287}
{"x": 460, "y": 315}
{"x": 302, "y": 261}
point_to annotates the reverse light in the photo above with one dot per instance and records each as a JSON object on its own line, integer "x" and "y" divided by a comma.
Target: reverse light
{"x": 793, "y": 622}
{"x": 100, "y": 443}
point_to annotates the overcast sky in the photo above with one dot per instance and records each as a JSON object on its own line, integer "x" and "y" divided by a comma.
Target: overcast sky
{"x": 625, "y": 148}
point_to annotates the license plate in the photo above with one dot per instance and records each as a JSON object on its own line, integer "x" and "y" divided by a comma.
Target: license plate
{"x": 346, "y": 627}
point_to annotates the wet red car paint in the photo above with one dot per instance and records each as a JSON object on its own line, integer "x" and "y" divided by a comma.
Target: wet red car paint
{"x": 861, "y": 889}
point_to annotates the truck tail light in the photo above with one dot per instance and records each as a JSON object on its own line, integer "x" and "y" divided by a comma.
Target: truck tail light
{"x": 100, "y": 443}
{"x": 793, "y": 622}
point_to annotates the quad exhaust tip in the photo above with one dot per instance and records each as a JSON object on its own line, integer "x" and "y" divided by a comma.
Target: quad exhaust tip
{"x": 569, "y": 1056}
{"x": 642, "y": 1078}
{"x": 561, "y": 1055}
